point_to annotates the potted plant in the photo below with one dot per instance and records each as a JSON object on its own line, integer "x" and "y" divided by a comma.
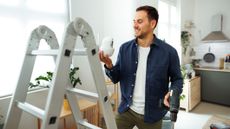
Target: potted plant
{"x": 45, "y": 80}
{"x": 185, "y": 40}
{"x": 183, "y": 72}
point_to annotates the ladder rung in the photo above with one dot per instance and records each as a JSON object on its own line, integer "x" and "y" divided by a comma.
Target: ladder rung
{"x": 45, "y": 52}
{"x": 31, "y": 109}
{"x": 83, "y": 93}
{"x": 55, "y": 52}
{"x": 90, "y": 126}
{"x": 80, "y": 52}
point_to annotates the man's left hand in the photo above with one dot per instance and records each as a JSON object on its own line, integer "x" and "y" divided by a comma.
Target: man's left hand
{"x": 166, "y": 99}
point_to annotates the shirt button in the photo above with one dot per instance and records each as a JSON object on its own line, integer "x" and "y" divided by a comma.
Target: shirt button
{"x": 132, "y": 85}
{"x": 130, "y": 96}
{"x": 134, "y": 74}
{"x": 127, "y": 105}
{"x": 136, "y": 62}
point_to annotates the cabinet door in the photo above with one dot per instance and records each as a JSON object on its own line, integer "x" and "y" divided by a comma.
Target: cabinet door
{"x": 194, "y": 97}
{"x": 184, "y": 102}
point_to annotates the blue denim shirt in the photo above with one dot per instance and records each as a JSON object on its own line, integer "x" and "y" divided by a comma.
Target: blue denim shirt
{"x": 162, "y": 67}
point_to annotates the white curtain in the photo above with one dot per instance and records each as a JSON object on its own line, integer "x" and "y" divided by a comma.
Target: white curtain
{"x": 17, "y": 19}
{"x": 169, "y": 22}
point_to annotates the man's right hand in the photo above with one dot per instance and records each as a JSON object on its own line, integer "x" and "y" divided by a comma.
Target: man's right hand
{"x": 105, "y": 59}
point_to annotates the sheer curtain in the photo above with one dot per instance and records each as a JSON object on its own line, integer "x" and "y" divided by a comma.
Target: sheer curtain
{"x": 169, "y": 23}
{"x": 17, "y": 19}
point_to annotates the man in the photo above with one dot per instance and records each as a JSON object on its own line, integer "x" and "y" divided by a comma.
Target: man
{"x": 144, "y": 67}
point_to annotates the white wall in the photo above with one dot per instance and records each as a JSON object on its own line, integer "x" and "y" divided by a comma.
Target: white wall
{"x": 200, "y": 12}
{"x": 92, "y": 12}
{"x": 187, "y": 11}
{"x": 118, "y": 17}
{"x": 204, "y": 10}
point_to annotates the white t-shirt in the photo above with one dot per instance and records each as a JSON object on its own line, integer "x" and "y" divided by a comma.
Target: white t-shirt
{"x": 138, "y": 104}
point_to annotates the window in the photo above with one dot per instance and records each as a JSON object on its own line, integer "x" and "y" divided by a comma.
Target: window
{"x": 17, "y": 19}
{"x": 168, "y": 25}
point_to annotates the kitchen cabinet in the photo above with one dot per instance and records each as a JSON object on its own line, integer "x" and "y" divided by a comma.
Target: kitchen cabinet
{"x": 192, "y": 92}
{"x": 215, "y": 85}
{"x": 89, "y": 110}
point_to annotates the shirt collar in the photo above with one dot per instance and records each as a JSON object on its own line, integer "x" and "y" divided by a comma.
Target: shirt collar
{"x": 155, "y": 41}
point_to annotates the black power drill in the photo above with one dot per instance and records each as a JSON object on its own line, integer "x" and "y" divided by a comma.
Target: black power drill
{"x": 174, "y": 102}
{"x": 174, "y": 105}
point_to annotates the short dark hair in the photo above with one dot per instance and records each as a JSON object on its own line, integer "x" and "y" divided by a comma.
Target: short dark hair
{"x": 151, "y": 12}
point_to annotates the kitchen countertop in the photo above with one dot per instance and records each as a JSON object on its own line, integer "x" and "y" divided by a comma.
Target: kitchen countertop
{"x": 213, "y": 69}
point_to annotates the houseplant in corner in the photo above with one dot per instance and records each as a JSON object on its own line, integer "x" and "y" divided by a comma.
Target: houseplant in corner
{"x": 183, "y": 73}
{"x": 187, "y": 72}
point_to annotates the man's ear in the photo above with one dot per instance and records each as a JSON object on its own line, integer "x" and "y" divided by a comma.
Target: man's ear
{"x": 153, "y": 23}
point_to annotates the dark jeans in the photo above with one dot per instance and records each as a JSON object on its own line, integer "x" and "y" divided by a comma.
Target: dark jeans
{"x": 129, "y": 119}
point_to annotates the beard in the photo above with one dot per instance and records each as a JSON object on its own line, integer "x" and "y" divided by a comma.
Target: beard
{"x": 140, "y": 35}
{"x": 142, "y": 32}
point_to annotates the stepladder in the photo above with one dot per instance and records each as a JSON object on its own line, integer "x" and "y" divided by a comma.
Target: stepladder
{"x": 60, "y": 84}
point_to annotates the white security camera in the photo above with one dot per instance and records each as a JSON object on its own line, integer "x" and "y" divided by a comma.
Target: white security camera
{"x": 107, "y": 46}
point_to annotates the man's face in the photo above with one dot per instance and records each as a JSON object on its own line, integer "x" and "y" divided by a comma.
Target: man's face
{"x": 142, "y": 25}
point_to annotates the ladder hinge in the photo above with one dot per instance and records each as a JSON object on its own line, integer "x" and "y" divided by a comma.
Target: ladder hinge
{"x": 67, "y": 52}
{"x": 93, "y": 52}
{"x": 105, "y": 98}
{"x": 53, "y": 120}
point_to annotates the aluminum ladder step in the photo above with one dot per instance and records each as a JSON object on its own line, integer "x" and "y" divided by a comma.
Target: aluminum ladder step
{"x": 83, "y": 93}
{"x": 31, "y": 109}
{"x": 88, "y": 125}
{"x": 54, "y": 52}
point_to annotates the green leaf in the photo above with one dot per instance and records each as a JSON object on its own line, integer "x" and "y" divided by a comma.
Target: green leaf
{"x": 49, "y": 75}
{"x": 42, "y": 78}
{"x": 182, "y": 97}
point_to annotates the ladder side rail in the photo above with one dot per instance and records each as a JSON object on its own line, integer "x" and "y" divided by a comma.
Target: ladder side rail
{"x": 102, "y": 91}
{"x": 75, "y": 108}
{"x": 20, "y": 93}
{"x": 71, "y": 38}
{"x": 59, "y": 82}
{"x": 86, "y": 33}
